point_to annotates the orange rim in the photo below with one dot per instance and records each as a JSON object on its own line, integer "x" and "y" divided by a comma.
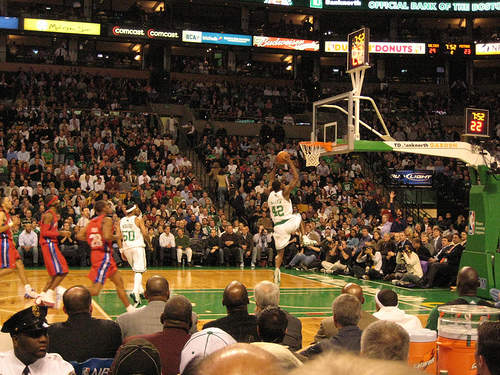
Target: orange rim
{"x": 327, "y": 146}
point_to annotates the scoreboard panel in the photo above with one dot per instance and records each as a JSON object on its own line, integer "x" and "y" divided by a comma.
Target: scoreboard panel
{"x": 358, "y": 51}
{"x": 450, "y": 49}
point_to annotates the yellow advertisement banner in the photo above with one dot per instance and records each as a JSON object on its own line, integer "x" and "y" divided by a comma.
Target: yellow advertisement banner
{"x": 67, "y": 27}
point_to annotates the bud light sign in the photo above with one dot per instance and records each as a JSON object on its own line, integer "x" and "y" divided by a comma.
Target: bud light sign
{"x": 415, "y": 178}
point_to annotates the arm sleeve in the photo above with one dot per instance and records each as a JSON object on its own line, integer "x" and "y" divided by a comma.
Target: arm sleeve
{"x": 51, "y": 233}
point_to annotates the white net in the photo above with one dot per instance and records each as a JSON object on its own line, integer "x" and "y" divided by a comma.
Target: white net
{"x": 312, "y": 152}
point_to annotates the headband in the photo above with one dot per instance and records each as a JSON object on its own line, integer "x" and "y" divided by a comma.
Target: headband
{"x": 52, "y": 200}
{"x": 131, "y": 209}
{"x": 379, "y": 304}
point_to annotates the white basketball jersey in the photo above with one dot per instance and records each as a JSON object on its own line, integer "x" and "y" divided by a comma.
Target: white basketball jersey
{"x": 279, "y": 207}
{"x": 132, "y": 235}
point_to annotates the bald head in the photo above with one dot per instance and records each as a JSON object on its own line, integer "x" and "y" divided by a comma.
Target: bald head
{"x": 157, "y": 288}
{"x": 77, "y": 300}
{"x": 355, "y": 290}
{"x": 235, "y": 296}
{"x": 467, "y": 281}
{"x": 239, "y": 359}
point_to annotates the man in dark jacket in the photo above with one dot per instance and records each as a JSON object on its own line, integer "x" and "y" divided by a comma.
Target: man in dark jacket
{"x": 238, "y": 323}
{"x": 346, "y": 314}
{"x": 444, "y": 266}
{"x": 267, "y": 294}
{"x": 82, "y": 337}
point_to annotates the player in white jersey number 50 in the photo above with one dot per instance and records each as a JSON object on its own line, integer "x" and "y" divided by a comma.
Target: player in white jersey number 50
{"x": 134, "y": 234}
{"x": 281, "y": 210}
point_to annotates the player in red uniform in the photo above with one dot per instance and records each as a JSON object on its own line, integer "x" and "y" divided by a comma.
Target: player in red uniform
{"x": 99, "y": 235}
{"x": 54, "y": 261}
{"x": 9, "y": 257}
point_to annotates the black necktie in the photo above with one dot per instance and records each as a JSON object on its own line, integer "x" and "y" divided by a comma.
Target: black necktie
{"x": 26, "y": 371}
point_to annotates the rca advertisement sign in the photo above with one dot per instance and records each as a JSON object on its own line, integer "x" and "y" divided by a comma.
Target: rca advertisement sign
{"x": 66, "y": 27}
{"x": 142, "y": 32}
{"x": 381, "y": 47}
{"x": 486, "y": 49}
{"x": 414, "y": 178}
{"x": 286, "y": 43}
{"x": 216, "y": 38}
{"x": 11, "y": 23}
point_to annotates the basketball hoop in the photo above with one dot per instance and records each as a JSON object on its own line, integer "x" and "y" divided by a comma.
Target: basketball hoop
{"x": 313, "y": 150}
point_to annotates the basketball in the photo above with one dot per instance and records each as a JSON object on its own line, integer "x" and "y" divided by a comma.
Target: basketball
{"x": 281, "y": 157}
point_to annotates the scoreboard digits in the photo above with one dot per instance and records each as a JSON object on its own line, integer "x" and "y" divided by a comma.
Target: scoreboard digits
{"x": 358, "y": 49}
{"x": 477, "y": 122}
{"x": 449, "y": 49}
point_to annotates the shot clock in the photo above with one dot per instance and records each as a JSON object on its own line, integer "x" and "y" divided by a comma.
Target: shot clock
{"x": 358, "y": 51}
{"x": 477, "y": 122}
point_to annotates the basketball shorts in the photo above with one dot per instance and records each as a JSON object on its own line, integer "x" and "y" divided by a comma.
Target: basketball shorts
{"x": 283, "y": 232}
{"x": 102, "y": 266}
{"x": 136, "y": 257}
{"x": 8, "y": 254}
{"x": 55, "y": 262}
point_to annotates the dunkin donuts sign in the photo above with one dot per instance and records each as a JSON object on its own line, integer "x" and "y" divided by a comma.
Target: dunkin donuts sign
{"x": 381, "y": 47}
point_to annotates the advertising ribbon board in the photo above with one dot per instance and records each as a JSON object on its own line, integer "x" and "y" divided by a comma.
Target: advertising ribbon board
{"x": 142, "y": 32}
{"x": 381, "y": 47}
{"x": 11, "y": 23}
{"x": 228, "y": 39}
{"x": 408, "y": 177}
{"x": 216, "y": 38}
{"x": 285, "y": 43}
{"x": 487, "y": 49}
{"x": 66, "y": 27}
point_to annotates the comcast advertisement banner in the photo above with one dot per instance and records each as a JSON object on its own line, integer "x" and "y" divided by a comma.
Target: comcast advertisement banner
{"x": 142, "y": 32}
{"x": 285, "y": 43}
{"x": 216, "y": 38}
{"x": 381, "y": 47}
{"x": 67, "y": 27}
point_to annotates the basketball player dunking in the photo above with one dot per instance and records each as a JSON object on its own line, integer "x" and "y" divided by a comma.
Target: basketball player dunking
{"x": 280, "y": 207}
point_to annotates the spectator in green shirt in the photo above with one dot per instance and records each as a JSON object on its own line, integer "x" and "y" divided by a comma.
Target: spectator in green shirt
{"x": 183, "y": 243}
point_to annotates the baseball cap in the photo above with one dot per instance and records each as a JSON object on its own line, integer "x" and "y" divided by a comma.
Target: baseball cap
{"x": 203, "y": 343}
{"x": 137, "y": 357}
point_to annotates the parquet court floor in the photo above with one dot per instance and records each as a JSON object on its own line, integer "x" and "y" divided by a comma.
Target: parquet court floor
{"x": 306, "y": 295}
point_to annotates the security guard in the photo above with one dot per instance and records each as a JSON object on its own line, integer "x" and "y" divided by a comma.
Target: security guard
{"x": 28, "y": 329}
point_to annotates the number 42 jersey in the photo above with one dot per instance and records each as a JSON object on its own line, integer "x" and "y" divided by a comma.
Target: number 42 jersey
{"x": 279, "y": 207}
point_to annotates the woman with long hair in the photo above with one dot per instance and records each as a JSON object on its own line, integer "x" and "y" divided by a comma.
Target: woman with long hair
{"x": 222, "y": 185}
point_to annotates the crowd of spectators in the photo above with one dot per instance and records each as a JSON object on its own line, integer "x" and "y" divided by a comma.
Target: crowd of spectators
{"x": 27, "y": 51}
{"x": 163, "y": 338}
{"x": 232, "y": 100}
{"x": 259, "y": 69}
{"x": 84, "y": 155}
